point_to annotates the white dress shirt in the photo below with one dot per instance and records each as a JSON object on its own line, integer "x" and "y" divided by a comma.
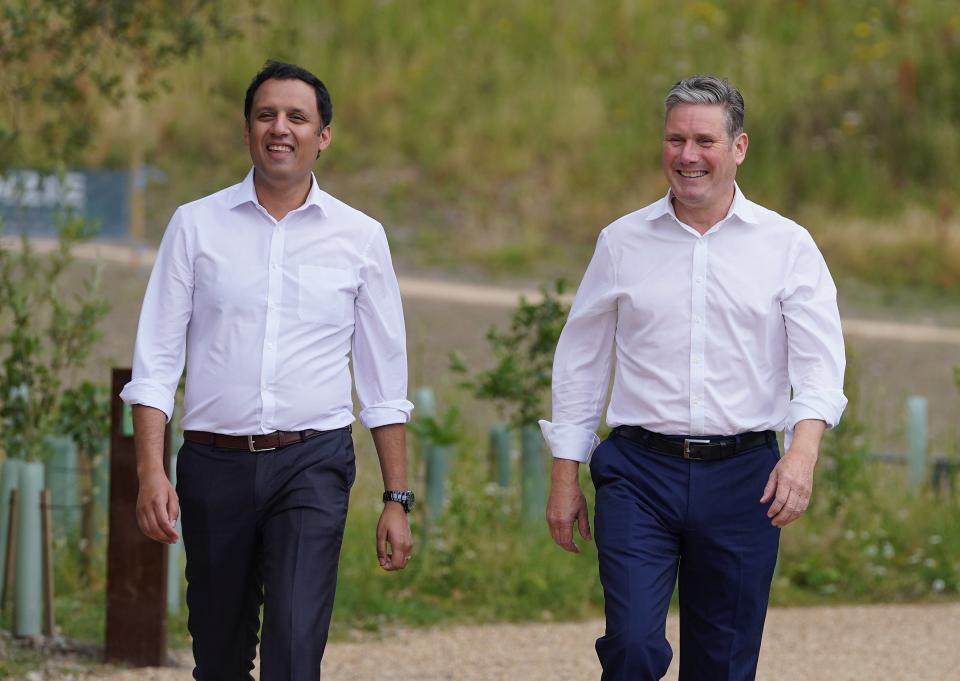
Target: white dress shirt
{"x": 710, "y": 331}
{"x": 267, "y": 313}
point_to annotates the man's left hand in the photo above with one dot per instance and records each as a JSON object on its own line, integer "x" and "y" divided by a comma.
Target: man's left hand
{"x": 791, "y": 481}
{"x": 394, "y": 541}
{"x": 790, "y": 485}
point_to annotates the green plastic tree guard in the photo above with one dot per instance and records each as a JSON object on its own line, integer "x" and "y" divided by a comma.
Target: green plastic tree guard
{"x": 424, "y": 402}
{"x": 9, "y": 474}
{"x": 437, "y": 462}
{"x": 175, "y": 551}
{"x": 533, "y": 470}
{"x": 500, "y": 453}
{"x": 434, "y": 463}
{"x": 61, "y": 477}
{"x": 101, "y": 490}
{"x": 28, "y": 585}
{"x": 917, "y": 440}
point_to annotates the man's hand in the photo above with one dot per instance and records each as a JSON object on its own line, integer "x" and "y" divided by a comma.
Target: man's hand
{"x": 567, "y": 505}
{"x": 394, "y": 541}
{"x": 393, "y": 529}
{"x": 790, "y": 484}
{"x": 157, "y": 503}
{"x": 158, "y": 508}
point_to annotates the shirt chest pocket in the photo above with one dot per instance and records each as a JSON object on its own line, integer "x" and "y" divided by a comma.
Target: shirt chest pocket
{"x": 325, "y": 294}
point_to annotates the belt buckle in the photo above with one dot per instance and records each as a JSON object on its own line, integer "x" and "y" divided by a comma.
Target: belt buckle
{"x": 254, "y": 449}
{"x": 686, "y": 448}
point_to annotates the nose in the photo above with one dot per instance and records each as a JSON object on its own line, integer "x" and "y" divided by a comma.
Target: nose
{"x": 279, "y": 126}
{"x": 690, "y": 152}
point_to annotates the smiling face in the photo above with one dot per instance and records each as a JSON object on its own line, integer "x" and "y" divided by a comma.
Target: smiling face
{"x": 285, "y": 133}
{"x": 700, "y": 162}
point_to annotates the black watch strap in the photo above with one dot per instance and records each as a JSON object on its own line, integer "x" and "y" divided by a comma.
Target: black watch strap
{"x": 403, "y": 497}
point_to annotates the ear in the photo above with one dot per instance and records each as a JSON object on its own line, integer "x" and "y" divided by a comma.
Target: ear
{"x": 740, "y": 147}
{"x": 326, "y": 137}
{"x": 246, "y": 132}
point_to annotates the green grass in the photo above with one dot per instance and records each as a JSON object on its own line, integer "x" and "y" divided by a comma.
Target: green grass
{"x": 486, "y": 132}
{"x": 477, "y": 563}
{"x": 865, "y": 539}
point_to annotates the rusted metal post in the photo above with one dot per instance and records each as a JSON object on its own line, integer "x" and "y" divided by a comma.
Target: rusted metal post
{"x": 136, "y": 631}
{"x": 11, "y": 553}
{"x": 46, "y": 523}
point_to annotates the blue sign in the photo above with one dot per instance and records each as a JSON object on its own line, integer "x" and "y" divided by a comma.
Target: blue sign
{"x": 36, "y": 203}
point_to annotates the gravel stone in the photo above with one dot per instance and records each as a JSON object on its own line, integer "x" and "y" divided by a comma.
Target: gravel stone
{"x": 855, "y": 643}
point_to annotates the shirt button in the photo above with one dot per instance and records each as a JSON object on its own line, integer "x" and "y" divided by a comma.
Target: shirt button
{"x": 696, "y": 359}
{"x": 269, "y": 344}
{"x": 699, "y": 280}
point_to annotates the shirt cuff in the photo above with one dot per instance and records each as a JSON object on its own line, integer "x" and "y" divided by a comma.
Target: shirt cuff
{"x": 568, "y": 441}
{"x": 822, "y": 406}
{"x": 386, "y": 413}
{"x": 149, "y": 394}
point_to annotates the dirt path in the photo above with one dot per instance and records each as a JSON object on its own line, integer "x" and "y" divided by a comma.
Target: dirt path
{"x": 861, "y": 643}
{"x": 416, "y": 288}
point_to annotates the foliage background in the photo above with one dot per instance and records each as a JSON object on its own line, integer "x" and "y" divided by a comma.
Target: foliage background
{"x": 509, "y": 133}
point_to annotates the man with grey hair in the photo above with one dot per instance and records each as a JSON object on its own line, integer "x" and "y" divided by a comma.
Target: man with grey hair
{"x": 716, "y": 309}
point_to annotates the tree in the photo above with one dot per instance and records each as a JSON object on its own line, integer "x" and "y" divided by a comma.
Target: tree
{"x": 61, "y": 59}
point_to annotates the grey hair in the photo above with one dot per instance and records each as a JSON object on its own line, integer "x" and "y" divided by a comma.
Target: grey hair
{"x": 709, "y": 90}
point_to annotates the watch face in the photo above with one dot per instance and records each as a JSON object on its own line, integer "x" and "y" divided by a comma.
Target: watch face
{"x": 405, "y": 498}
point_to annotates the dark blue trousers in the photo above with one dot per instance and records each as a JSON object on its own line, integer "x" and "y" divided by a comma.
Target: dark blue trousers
{"x": 264, "y": 529}
{"x": 662, "y": 520}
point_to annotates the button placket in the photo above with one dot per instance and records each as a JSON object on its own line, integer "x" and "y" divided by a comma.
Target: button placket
{"x": 268, "y": 368}
{"x": 698, "y": 334}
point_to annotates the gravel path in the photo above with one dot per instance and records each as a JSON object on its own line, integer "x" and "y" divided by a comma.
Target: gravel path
{"x": 862, "y": 643}
{"x": 416, "y": 288}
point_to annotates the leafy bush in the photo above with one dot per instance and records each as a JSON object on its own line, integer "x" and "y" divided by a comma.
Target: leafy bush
{"x": 865, "y": 537}
{"x": 520, "y": 378}
{"x": 46, "y": 335}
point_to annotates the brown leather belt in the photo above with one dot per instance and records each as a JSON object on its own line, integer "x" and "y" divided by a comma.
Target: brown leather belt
{"x": 266, "y": 442}
{"x": 697, "y": 448}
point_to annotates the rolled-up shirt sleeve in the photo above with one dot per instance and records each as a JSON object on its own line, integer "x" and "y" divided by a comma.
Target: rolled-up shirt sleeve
{"x": 160, "y": 348}
{"x": 815, "y": 351}
{"x": 581, "y": 365}
{"x": 379, "y": 340}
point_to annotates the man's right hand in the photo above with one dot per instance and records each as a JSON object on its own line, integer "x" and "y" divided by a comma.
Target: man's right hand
{"x": 567, "y": 505}
{"x": 158, "y": 508}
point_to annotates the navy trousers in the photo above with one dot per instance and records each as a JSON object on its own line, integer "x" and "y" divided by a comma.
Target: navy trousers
{"x": 266, "y": 529}
{"x": 662, "y": 520}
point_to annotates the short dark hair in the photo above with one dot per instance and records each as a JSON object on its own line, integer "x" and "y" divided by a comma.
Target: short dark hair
{"x": 283, "y": 71}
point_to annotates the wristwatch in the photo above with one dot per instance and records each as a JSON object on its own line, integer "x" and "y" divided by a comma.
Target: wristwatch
{"x": 405, "y": 498}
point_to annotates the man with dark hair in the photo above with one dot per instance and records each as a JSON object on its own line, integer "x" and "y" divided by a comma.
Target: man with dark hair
{"x": 717, "y": 309}
{"x": 268, "y": 289}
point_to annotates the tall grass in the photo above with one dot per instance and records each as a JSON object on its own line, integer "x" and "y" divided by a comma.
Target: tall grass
{"x": 509, "y": 132}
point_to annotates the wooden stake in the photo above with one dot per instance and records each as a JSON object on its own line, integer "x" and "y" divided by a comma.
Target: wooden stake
{"x": 11, "y": 551}
{"x": 47, "y": 529}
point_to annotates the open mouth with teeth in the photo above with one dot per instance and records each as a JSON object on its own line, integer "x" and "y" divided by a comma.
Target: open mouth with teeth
{"x": 279, "y": 148}
{"x": 692, "y": 174}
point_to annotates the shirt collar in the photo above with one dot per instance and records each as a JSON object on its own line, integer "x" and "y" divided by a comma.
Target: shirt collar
{"x": 741, "y": 207}
{"x": 245, "y": 192}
